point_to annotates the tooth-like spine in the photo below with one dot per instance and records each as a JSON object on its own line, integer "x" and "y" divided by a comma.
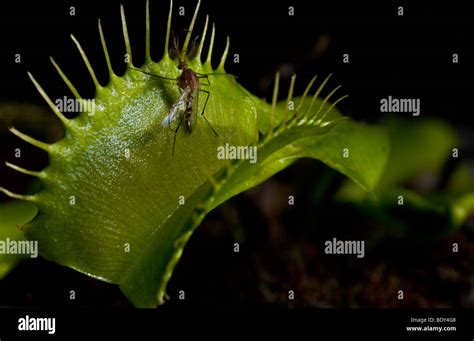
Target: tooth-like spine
{"x": 211, "y": 46}
{"x": 59, "y": 114}
{"x": 203, "y": 38}
{"x": 125, "y": 35}
{"x": 23, "y": 170}
{"x": 320, "y": 121}
{"x": 147, "y": 31}
{"x": 30, "y": 140}
{"x": 86, "y": 61}
{"x": 315, "y": 96}
{"x": 224, "y": 55}
{"x": 288, "y": 99}
{"x": 274, "y": 103}
{"x": 18, "y": 196}
{"x": 305, "y": 93}
{"x": 65, "y": 79}
{"x": 326, "y": 99}
{"x": 106, "y": 51}
{"x": 190, "y": 31}
{"x": 168, "y": 31}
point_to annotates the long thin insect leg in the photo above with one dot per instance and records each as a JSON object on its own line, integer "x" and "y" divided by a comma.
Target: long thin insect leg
{"x": 214, "y": 73}
{"x": 203, "y": 109}
{"x": 151, "y": 74}
{"x": 206, "y": 77}
{"x": 176, "y": 132}
{"x": 205, "y": 102}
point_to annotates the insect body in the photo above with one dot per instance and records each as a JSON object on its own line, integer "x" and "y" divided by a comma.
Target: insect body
{"x": 183, "y": 105}
{"x": 186, "y": 105}
{"x": 185, "y": 108}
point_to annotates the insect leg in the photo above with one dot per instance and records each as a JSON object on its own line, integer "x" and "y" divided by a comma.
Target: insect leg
{"x": 214, "y": 73}
{"x": 204, "y": 108}
{"x": 206, "y": 77}
{"x": 176, "y": 132}
{"x": 151, "y": 74}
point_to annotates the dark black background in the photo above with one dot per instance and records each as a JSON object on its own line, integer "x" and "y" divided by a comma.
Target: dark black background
{"x": 407, "y": 56}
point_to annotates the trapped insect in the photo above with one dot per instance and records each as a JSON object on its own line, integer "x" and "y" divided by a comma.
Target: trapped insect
{"x": 185, "y": 108}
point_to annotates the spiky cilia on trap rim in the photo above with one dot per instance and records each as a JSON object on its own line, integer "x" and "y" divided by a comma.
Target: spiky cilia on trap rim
{"x": 118, "y": 206}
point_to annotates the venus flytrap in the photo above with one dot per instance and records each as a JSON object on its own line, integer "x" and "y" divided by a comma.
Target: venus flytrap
{"x": 127, "y": 225}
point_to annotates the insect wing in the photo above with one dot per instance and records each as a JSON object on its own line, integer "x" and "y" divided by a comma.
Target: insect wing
{"x": 192, "y": 50}
{"x": 174, "y": 49}
{"x": 177, "y": 110}
{"x": 173, "y": 53}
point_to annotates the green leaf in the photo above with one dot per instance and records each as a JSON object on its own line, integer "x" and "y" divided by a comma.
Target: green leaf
{"x": 419, "y": 147}
{"x": 461, "y": 180}
{"x": 274, "y": 155}
{"x": 13, "y": 216}
{"x": 420, "y": 216}
{"x": 117, "y": 205}
{"x": 367, "y": 147}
